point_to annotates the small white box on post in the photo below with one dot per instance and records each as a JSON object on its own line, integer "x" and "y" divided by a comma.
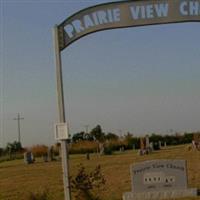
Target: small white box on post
{"x": 61, "y": 131}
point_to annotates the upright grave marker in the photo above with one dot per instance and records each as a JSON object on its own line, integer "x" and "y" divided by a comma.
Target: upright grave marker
{"x": 147, "y": 142}
{"x": 196, "y": 141}
{"x": 159, "y": 179}
{"x": 160, "y": 144}
{"x": 145, "y": 147}
{"x": 28, "y": 157}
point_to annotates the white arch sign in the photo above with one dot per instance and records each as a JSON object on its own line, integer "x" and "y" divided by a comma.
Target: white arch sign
{"x": 124, "y": 14}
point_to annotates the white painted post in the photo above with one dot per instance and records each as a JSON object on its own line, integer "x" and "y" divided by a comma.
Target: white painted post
{"x": 61, "y": 108}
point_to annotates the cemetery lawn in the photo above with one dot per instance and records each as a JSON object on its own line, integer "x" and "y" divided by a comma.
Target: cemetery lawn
{"x": 17, "y": 180}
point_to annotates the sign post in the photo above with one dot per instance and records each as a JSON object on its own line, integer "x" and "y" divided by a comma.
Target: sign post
{"x": 61, "y": 107}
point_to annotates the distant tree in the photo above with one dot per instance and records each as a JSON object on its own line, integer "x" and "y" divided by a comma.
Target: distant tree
{"x": 88, "y": 137}
{"x": 188, "y": 137}
{"x": 132, "y": 141}
{"x": 1, "y": 152}
{"x": 128, "y": 136}
{"x": 78, "y": 137}
{"x": 82, "y": 136}
{"x": 97, "y": 133}
{"x": 111, "y": 136}
{"x": 13, "y": 147}
{"x": 17, "y": 146}
{"x": 156, "y": 138}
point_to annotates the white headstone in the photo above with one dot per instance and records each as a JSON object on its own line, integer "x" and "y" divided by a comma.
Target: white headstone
{"x": 160, "y": 144}
{"x": 147, "y": 142}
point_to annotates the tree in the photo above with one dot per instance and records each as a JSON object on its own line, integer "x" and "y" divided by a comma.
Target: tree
{"x": 132, "y": 141}
{"x": 13, "y": 147}
{"x": 156, "y": 138}
{"x": 88, "y": 137}
{"x": 97, "y": 133}
{"x": 82, "y": 136}
{"x": 78, "y": 137}
{"x": 111, "y": 136}
{"x": 188, "y": 137}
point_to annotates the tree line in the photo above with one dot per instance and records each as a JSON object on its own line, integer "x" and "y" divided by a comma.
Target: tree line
{"x": 96, "y": 134}
{"x": 83, "y": 142}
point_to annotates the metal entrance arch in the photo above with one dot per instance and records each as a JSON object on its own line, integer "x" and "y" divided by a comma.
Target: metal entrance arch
{"x": 121, "y": 14}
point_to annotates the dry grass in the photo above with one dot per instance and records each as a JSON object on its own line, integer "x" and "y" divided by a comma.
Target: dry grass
{"x": 84, "y": 147}
{"x": 39, "y": 150}
{"x": 17, "y": 180}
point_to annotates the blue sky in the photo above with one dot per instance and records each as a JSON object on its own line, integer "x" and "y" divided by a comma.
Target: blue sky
{"x": 140, "y": 80}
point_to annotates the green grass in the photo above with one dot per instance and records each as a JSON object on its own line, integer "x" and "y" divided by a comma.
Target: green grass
{"x": 18, "y": 180}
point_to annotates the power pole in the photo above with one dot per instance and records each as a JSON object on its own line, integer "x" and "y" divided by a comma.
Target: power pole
{"x": 86, "y": 128}
{"x": 18, "y": 126}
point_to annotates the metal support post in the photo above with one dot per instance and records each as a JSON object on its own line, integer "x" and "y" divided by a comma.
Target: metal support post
{"x": 61, "y": 107}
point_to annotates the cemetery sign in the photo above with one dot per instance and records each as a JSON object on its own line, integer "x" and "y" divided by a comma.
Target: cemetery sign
{"x": 159, "y": 179}
{"x": 126, "y": 14}
{"x": 159, "y": 175}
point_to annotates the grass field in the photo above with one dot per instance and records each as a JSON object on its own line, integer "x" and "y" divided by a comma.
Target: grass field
{"x": 17, "y": 180}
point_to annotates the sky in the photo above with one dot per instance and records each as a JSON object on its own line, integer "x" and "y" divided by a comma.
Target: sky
{"x": 139, "y": 80}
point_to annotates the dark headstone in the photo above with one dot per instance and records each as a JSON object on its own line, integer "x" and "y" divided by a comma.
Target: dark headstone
{"x": 45, "y": 157}
{"x": 50, "y": 154}
{"x": 88, "y": 156}
{"x": 28, "y": 157}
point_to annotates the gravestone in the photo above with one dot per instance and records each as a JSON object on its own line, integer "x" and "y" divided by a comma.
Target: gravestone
{"x": 151, "y": 146}
{"x": 160, "y": 144}
{"x": 122, "y": 149}
{"x": 145, "y": 146}
{"x": 88, "y": 156}
{"x": 142, "y": 147}
{"x": 45, "y": 157}
{"x": 196, "y": 141}
{"x": 142, "y": 144}
{"x": 50, "y": 154}
{"x": 101, "y": 148}
{"x": 159, "y": 179}
{"x": 147, "y": 142}
{"x": 28, "y": 157}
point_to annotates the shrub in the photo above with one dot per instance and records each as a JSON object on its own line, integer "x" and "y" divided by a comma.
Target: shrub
{"x": 114, "y": 145}
{"x": 83, "y": 147}
{"x": 44, "y": 195}
{"x": 108, "y": 151}
{"x": 85, "y": 184}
